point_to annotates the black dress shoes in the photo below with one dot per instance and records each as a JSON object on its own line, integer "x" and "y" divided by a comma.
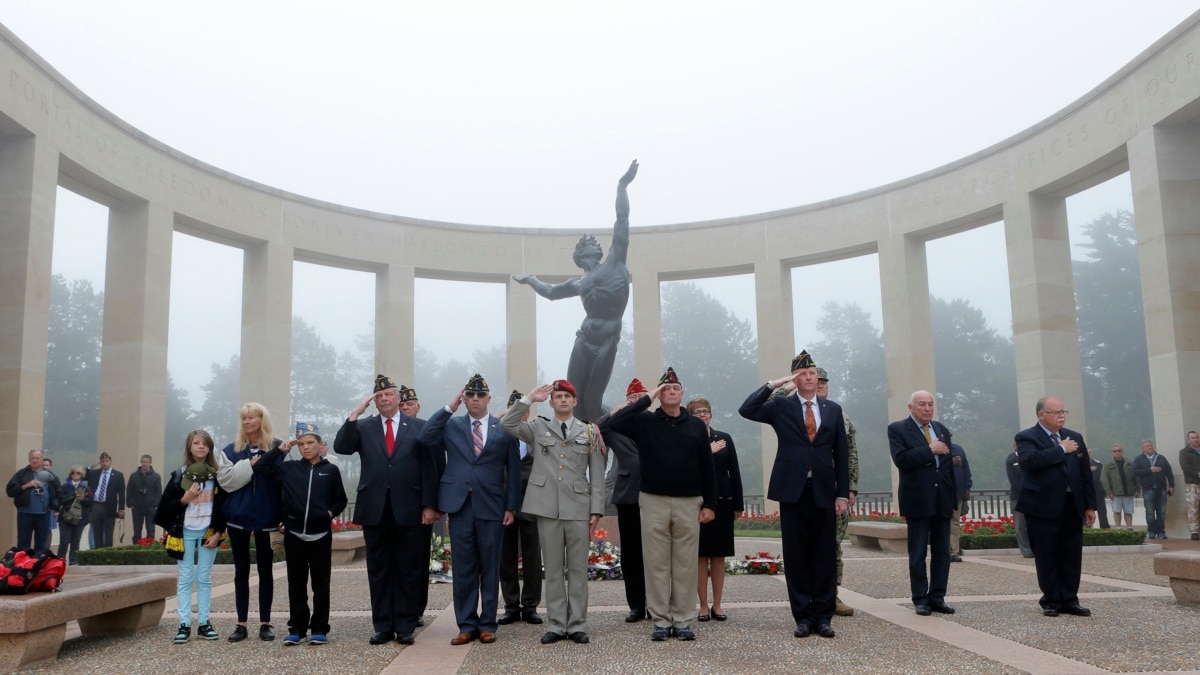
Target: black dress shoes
{"x": 511, "y": 616}
{"x": 531, "y": 617}
{"x": 802, "y": 630}
{"x": 579, "y": 637}
{"x": 1075, "y": 610}
{"x": 550, "y": 638}
{"x": 923, "y": 610}
{"x": 955, "y": 558}
{"x": 381, "y": 638}
{"x": 406, "y": 639}
{"x": 636, "y": 615}
{"x": 825, "y": 630}
{"x": 1049, "y": 611}
{"x": 265, "y": 633}
{"x": 239, "y": 633}
{"x": 941, "y": 607}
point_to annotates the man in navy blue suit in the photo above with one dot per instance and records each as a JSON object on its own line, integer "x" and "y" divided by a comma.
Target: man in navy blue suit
{"x": 480, "y": 489}
{"x": 921, "y": 452}
{"x": 396, "y": 501}
{"x": 1057, "y": 498}
{"x": 811, "y": 481}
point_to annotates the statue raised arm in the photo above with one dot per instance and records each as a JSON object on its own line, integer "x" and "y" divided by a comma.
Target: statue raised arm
{"x": 604, "y": 289}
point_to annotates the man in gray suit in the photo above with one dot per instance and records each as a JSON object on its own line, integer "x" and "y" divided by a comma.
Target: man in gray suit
{"x": 480, "y": 491}
{"x": 566, "y": 494}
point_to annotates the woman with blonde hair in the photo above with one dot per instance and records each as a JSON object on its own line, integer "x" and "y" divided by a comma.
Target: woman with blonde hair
{"x": 253, "y": 508}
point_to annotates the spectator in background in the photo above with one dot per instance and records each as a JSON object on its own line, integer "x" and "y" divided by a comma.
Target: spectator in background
{"x": 1015, "y": 476}
{"x": 76, "y": 499}
{"x": 1158, "y": 483}
{"x": 1097, "y": 473}
{"x": 34, "y": 491}
{"x": 1121, "y": 486}
{"x": 108, "y": 504}
{"x": 145, "y": 488}
{"x": 962, "y": 488}
{"x": 1189, "y": 466}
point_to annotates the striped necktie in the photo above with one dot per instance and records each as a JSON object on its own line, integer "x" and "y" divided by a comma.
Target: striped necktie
{"x": 477, "y": 439}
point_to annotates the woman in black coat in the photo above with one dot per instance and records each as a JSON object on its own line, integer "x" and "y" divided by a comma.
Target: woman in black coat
{"x": 716, "y": 537}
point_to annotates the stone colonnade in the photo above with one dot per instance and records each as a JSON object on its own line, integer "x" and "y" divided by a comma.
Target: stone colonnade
{"x": 51, "y": 135}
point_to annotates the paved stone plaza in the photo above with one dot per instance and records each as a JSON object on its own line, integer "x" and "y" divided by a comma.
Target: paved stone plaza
{"x": 998, "y": 628}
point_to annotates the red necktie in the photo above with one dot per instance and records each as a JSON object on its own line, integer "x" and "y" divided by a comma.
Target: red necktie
{"x": 390, "y": 437}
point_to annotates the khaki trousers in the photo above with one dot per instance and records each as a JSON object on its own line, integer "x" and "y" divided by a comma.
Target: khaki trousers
{"x": 565, "y": 544}
{"x": 670, "y": 546}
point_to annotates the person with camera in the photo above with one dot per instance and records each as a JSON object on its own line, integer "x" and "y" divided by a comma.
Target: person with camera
{"x": 34, "y": 490}
{"x": 144, "y": 490}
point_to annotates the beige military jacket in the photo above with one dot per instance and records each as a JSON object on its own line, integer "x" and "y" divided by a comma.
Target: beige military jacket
{"x": 564, "y": 470}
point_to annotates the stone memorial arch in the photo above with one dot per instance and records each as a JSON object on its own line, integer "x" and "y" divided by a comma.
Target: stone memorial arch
{"x": 1141, "y": 120}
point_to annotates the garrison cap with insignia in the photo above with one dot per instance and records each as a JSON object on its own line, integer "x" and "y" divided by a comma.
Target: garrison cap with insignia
{"x": 306, "y": 429}
{"x": 635, "y": 387}
{"x": 803, "y": 360}
{"x": 822, "y": 375}
{"x": 669, "y": 377}
{"x": 383, "y": 382}
{"x": 514, "y": 397}
{"x": 407, "y": 393}
{"x": 477, "y": 384}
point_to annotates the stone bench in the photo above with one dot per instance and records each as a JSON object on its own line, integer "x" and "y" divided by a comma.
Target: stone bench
{"x": 33, "y": 626}
{"x": 892, "y": 537}
{"x": 348, "y": 547}
{"x": 1183, "y": 569}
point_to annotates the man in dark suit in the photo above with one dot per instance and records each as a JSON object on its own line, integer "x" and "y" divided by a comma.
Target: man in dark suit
{"x": 1016, "y": 476}
{"x": 811, "y": 481}
{"x": 521, "y": 544}
{"x": 397, "y": 498}
{"x": 920, "y": 450}
{"x": 1057, "y": 499}
{"x": 108, "y": 506}
{"x": 411, "y": 405}
{"x": 480, "y": 491}
{"x": 629, "y": 514}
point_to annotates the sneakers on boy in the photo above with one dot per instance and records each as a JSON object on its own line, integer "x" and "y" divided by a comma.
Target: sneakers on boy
{"x": 206, "y": 631}
{"x": 184, "y": 634}
{"x": 317, "y": 639}
{"x": 292, "y": 639}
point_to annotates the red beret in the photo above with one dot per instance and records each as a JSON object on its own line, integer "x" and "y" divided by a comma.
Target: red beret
{"x": 563, "y": 385}
{"x": 635, "y": 387}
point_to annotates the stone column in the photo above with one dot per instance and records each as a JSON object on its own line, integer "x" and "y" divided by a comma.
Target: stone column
{"x": 266, "y": 363}
{"x": 395, "y": 326}
{"x": 520, "y": 340}
{"x": 907, "y": 326}
{"x": 647, "y": 326}
{"x": 28, "y": 186}
{"x": 133, "y": 367}
{"x": 776, "y": 343}
{"x": 1042, "y": 288}
{"x": 1164, "y": 168}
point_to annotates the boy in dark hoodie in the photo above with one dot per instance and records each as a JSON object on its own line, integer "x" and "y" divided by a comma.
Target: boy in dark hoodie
{"x": 313, "y": 496}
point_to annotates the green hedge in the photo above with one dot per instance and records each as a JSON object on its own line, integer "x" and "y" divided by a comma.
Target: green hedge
{"x": 148, "y": 555}
{"x": 1091, "y": 537}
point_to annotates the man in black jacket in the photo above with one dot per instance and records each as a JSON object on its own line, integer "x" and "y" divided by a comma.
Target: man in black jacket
{"x": 1012, "y": 467}
{"x": 629, "y": 514}
{"x": 34, "y": 490}
{"x": 145, "y": 489}
{"x": 520, "y": 543}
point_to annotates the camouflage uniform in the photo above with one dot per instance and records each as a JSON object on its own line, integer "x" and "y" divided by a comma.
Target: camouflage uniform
{"x": 844, "y": 520}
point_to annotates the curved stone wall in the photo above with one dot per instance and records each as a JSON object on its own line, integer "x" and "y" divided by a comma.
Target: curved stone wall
{"x": 52, "y": 134}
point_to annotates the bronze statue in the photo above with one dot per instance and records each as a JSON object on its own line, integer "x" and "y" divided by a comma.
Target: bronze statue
{"x": 604, "y": 290}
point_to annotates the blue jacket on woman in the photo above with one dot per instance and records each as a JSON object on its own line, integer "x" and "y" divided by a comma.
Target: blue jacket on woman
{"x": 256, "y": 506}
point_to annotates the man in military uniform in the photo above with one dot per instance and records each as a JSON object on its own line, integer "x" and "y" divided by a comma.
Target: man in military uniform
{"x": 566, "y": 494}
{"x": 843, "y": 521}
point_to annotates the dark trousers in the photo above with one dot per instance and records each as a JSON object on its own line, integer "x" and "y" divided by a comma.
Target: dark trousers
{"x": 810, "y": 557}
{"x": 307, "y": 559}
{"x": 1155, "y": 501}
{"x": 633, "y": 571}
{"x": 68, "y": 540}
{"x": 424, "y": 594}
{"x": 143, "y": 517}
{"x": 521, "y": 542}
{"x": 475, "y": 542}
{"x": 397, "y": 566}
{"x": 239, "y": 543}
{"x": 931, "y": 533}
{"x": 1057, "y": 545}
{"x": 33, "y": 531}
{"x": 1101, "y": 509}
{"x": 102, "y": 521}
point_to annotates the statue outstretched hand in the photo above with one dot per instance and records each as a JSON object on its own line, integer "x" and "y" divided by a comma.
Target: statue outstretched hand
{"x": 523, "y": 279}
{"x": 630, "y": 174}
